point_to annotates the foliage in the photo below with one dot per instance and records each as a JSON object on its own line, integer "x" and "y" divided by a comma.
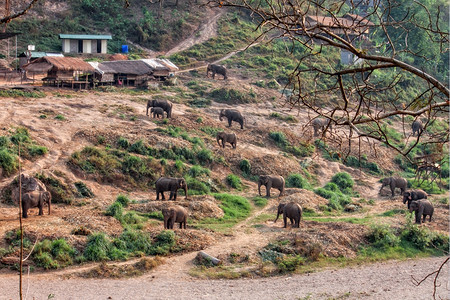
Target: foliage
{"x": 13, "y": 93}
{"x": 196, "y": 171}
{"x": 343, "y": 180}
{"x": 53, "y": 254}
{"x": 297, "y": 181}
{"x": 245, "y": 167}
{"x": 260, "y": 201}
{"x": 289, "y": 263}
{"x": 115, "y": 210}
{"x": 232, "y": 96}
{"x": 382, "y": 236}
{"x": 302, "y": 150}
{"x": 124, "y": 200}
{"x": 83, "y": 190}
{"x": 234, "y": 181}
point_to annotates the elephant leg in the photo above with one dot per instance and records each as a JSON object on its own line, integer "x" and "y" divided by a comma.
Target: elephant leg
{"x": 175, "y": 195}
{"x": 393, "y": 190}
{"x": 268, "y": 187}
{"x": 229, "y": 122}
{"x": 181, "y": 225}
{"x": 242, "y": 124}
{"x": 40, "y": 210}
{"x": 171, "y": 195}
{"x": 285, "y": 221}
{"x": 24, "y": 211}
{"x": 424, "y": 218}
{"x": 162, "y": 195}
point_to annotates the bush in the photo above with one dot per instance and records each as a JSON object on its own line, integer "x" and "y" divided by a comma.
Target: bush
{"x": 34, "y": 150}
{"x": 343, "y": 180}
{"x": 297, "y": 181}
{"x": 196, "y": 187}
{"x": 136, "y": 241}
{"x": 234, "y": 181}
{"x": 279, "y": 138}
{"x": 382, "y": 236}
{"x": 196, "y": 171}
{"x": 289, "y": 263}
{"x": 97, "y": 248}
{"x": 245, "y": 166}
{"x": 124, "y": 200}
{"x": 139, "y": 148}
{"x": 123, "y": 143}
{"x": 83, "y": 190}
{"x": 164, "y": 241}
{"x": 205, "y": 156}
{"x": 8, "y": 162}
{"x": 115, "y": 210}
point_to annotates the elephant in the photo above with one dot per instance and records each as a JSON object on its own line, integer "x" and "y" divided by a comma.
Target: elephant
{"x": 232, "y": 115}
{"x": 271, "y": 181}
{"x": 157, "y": 112}
{"x": 174, "y": 214}
{"x": 417, "y": 127}
{"x": 290, "y": 210}
{"x": 164, "y": 104}
{"x": 321, "y": 124}
{"x": 394, "y": 182}
{"x": 413, "y": 195}
{"x": 170, "y": 184}
{"x": 35, "y": 199}
{"x": 422, "y": 207}
{"x": 29, "y": 184}
{"x": 226, "y": 138}
{"x": 216, "y": 69}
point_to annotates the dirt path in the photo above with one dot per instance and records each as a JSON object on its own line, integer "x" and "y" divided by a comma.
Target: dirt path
{"x": 388, "y": 280}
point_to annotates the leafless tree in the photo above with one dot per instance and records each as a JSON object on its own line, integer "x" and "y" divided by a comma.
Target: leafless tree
{"x": 17, "y": 12}
{"x": 381, "y": 38}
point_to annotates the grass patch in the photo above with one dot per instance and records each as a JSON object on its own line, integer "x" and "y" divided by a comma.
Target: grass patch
{"x": 234, "y": 181}
{"x": 260, "y": 201}
{"x": 113, "y": 271}
{"x": 235, "y": 208}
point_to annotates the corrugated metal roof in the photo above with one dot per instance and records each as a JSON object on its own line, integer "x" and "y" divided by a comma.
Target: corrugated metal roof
{"x": 85, "y": 37}
{"x": 160, "y": 64}
{"x": 135, "y": 67}
{"x": 101, "y": 68}
{"x": 37, "y": 54}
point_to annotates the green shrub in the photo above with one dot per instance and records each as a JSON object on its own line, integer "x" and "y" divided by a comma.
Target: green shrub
{"x": 53, "y": 254}
{"x": 115, "y": 210}
{"x": 20, "y": 135}
{"x": 8, "y": 162}
{"x": 83, "y": 190}
{"x": 35, "y": 150}
{"x": 163, "y": 243}
{"x": 196, "y": 171}
{"x": 123, "y": 143}
{"x": 97, "y": 248}
{"x": 60, "y": 117}
{"x": 4, "y": 142}
{"x": 61, "y": 193}
{"x": 205, "y": 156}
{"x": 124, "y": 200}
{"x": 196, "y": 187}
{"x": 260, "y": 201}
{"x": 289, "y": 263}
{"x": 45, "y": 260}
{"x": 234, "y": 181}
{"x": 139, "y": 148}
{"x": 131, "y": 218}
{"x": 382, "y": 236}
{"x": 136, "y": 241}
{"x": 297, "y": 181}
{"x": 279, "y": 138}
{"x": 245, "y": 166}
{"x": 343, "y": 180}
{"x": 234, "y": 207}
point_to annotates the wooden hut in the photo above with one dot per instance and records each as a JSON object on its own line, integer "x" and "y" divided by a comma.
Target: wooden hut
{"x": 129, "y": 72}
{"x": 62, "y": 71}
{"x": 162, "y": 68}
{"x": 103, "y": 74}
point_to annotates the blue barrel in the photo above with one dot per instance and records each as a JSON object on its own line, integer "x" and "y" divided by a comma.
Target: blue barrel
{"x": 124, "y": 48}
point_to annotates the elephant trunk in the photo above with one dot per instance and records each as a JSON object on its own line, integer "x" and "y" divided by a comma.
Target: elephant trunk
{"x": 221, "y": 115}
{"x": 218, "y": 139}
{"x": 186, "y": 191}
{"x": 278, "y": 214}
{"x": 259, "y": 187}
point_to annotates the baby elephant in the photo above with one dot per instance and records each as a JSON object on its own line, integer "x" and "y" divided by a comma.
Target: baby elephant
{"x": 226, "y": 138}
{"x": 417, "y": 127}
{"x": 412, "y": 195}
{"x": 174, "y": 214}
{"x": 321, "y": 125}
{"x": 35, "y": 199}
{"x": 291, "y": 210}
{"x": 421, "y": 207}
{"x": 157, "y": 112}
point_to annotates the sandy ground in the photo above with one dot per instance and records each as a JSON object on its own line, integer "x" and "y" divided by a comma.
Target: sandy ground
{"x": 388, "y": 280}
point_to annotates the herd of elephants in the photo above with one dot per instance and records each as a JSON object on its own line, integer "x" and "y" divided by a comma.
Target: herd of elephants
{"x": 35, "y": 194}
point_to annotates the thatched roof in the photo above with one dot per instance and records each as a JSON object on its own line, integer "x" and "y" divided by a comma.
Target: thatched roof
{"x": 134, "y": 67}
{"x": 46, "y": 63}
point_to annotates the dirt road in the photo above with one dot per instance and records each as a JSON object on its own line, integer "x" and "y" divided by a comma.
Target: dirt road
{"x": 388, "y": 280}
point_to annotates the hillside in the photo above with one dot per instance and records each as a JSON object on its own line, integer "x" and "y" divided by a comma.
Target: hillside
{"x": 100, "y": 155}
